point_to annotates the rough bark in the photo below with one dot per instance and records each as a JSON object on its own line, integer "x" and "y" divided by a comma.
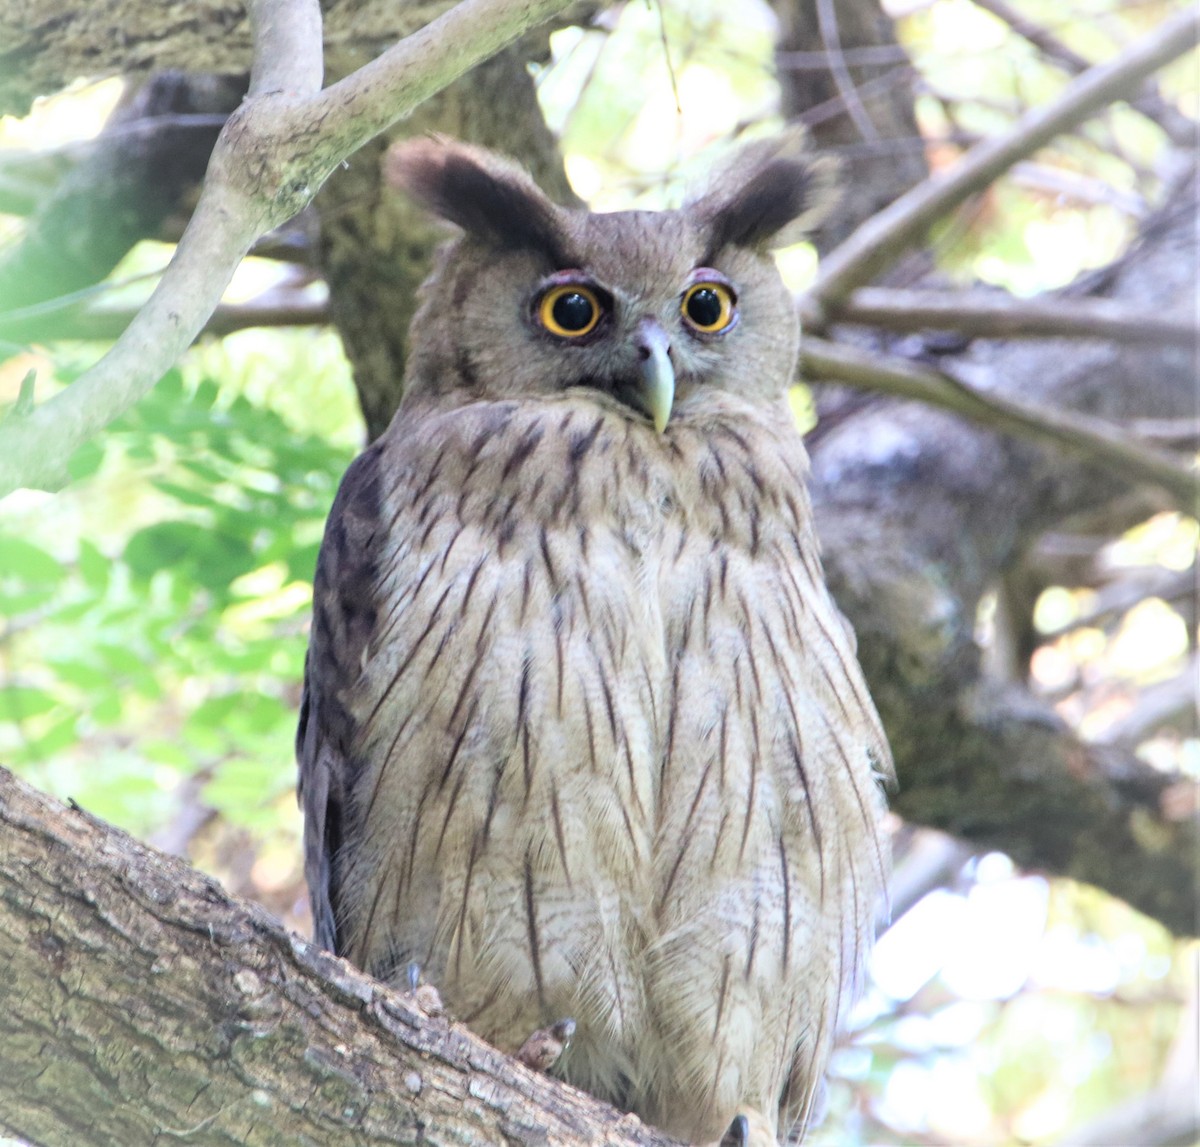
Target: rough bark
{"x": 47, "y": 45}
{"x": 142, "y": 1004}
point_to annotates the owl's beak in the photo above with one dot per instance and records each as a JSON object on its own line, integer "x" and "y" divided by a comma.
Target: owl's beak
{"x": 656, "y": 389}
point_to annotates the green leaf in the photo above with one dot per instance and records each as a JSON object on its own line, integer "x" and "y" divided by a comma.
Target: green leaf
{"x": 167, "y": 753}
{"x": 59, "y": 736}
{"x": 94, "y": 567}
{"x": 241, "y": 789}
{"x": 82, "y": 674}
{"x": 120, "y": 658}
{"x": 20, "y": 702}
{"x": 201, "y": 554}
{"x": 15, "y": 604}
{"x": 107, "y": 711}
{"x": 185, "y": 494}
{"x": 30, "y": 563}
{"x": 85, "y": 461}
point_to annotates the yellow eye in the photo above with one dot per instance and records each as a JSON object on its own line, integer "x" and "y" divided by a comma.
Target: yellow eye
{"x": 569, "y": 311}
{"x": 708, "y": 307}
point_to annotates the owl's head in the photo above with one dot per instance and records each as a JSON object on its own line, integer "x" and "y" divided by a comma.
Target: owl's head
{"x": 648, "y": 311}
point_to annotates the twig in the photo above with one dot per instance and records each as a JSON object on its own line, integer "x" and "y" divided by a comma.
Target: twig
{"x": 273, "y": 155}
{"x": 1116, "y": 598}
{"x": 1181, "y": 433}
{"x": 837, "y": 105}
{"x": 105, "y": 324}
{"x": 843, "y": 81}
{"x": 1092, "y": 437}
{"x": 1000, "y": 316}
{"x": 884, "y": 238}
{"x": 1179, "y": 129}
{"x": 819, "y": 61}
{"x": 666, "y": 48}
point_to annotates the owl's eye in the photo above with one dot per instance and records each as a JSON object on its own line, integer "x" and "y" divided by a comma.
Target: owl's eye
{"x": 569, "y": 311}
{"x": 708, "y": 307}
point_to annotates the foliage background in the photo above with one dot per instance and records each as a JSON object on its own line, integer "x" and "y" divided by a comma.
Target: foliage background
{"x": 153, "y": 613}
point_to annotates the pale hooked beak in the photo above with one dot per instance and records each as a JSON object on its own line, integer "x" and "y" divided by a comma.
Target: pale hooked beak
{"x": 656, "y": 392}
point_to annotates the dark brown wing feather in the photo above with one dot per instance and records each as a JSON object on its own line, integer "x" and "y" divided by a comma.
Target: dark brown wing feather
{"x": 344, "y": 615}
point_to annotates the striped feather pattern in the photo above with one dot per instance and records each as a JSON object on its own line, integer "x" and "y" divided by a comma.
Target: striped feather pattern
{"x": 584, "y": 735}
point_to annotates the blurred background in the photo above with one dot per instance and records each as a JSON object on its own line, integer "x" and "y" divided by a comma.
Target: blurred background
{"x": 154, "y": 611}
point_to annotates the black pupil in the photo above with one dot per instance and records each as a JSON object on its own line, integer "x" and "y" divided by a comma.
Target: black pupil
{"x": 572, "y": 311}
{"x": 704, "y": 307}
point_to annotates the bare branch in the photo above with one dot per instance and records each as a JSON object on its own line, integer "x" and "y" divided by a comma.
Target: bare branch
{"x": 73, "y": 320}
{"x": 288, "y": 50}
{"x": 1081, "y": 433}
{"x": 1149, "y": 101}
{"x": 1001, "y": 316}
{"x": 1161, "y": 705}
{"x": 273, "y": 155}
{"x": 884, "y": 238}
{"x": 1168, "y": 1116}
{"x": 1182, "y": 433}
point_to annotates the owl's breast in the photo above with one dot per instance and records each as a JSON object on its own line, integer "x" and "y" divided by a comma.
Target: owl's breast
{"x": 604, "y": 774}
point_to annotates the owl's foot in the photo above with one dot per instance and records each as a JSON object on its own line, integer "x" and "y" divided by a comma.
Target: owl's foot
{"x": 425, "y": 996}
{"x": 542, "y": 1049}
{"x": 748, "y": 1129}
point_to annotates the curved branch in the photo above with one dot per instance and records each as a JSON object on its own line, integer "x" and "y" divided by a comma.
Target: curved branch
{"x": 272, "y": 156}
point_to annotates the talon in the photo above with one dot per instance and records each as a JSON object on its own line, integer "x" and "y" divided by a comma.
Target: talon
{"x": 748, "y": 1129}
{"x": 542, "y": 1049}
{"x": 737, "y": 1134}
{"x": 425, "y": 996}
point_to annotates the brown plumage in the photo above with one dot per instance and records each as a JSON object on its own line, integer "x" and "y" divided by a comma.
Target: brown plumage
{"x": 583, "y": 733}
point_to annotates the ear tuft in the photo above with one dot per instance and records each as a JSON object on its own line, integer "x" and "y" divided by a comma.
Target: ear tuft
{"x": 487, "y": 195}
{"x": 766, "y": 186}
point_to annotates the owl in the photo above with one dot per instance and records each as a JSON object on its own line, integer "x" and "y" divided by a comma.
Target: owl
{"x": 583, "y": 733}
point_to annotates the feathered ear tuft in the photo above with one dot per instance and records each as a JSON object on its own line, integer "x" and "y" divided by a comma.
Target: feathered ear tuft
{"x": 766, "y": 186}
{"x": 485, "y": 194}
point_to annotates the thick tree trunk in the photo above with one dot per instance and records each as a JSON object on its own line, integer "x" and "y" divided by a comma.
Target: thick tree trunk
{"x": 142, "y": 1004}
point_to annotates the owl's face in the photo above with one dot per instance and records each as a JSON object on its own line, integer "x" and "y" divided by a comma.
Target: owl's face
{"x": 647, "y": 311}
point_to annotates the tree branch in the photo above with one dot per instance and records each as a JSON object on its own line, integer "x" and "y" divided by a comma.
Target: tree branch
{"x": 143, "y": 1003}
{"x": 1179, "y": 129}
{"x": 997, "y": 315}
{"x": 885, "y": 237}
{"x": 821, "y": 359}
{"x": 272, "y": 156}
{"x": 1090, "y": 437}
{"x": 74, "y": 319}
{"x": 921, "y": 513}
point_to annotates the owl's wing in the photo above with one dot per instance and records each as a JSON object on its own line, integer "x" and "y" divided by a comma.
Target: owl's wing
{"x": 343, "y": 620}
